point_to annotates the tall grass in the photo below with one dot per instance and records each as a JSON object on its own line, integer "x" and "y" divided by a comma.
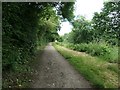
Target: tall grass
{"x": 100, "y": 73}
{"x": 101, "y": 50}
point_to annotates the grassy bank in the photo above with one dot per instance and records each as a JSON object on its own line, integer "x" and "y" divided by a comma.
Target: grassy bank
{"x": 100, "y": 73}
{"x": 101, "y": 50}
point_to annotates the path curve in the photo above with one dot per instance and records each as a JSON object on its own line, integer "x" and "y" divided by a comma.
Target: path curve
{"x": 55, "y": 72}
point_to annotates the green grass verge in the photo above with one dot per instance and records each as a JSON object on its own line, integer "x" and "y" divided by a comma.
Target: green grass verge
{"x": 101, "y": 50}
{"x": 100, "y": 73}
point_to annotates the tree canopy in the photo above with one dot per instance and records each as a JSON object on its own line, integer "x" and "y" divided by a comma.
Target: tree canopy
{"x": 103, "y": 27}
{"x": 27, "y": 25}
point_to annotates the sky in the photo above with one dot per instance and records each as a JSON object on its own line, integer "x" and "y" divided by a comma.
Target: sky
{"x": 85, "y": 8}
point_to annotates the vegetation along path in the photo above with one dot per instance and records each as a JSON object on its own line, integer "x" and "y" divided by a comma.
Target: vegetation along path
{"x": 55, "y": 72}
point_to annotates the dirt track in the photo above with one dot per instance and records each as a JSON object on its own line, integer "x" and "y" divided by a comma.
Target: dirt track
{"x": 55, "y": 72}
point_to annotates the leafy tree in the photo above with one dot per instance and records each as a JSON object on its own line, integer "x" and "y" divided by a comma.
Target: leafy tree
{"x": 67, "y": 10}
{"x": 82, "y": 31}
{"x": 106, "y": 23}
{"x": 26, "y": 26}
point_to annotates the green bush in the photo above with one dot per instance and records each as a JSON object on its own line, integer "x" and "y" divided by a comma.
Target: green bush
{"x": 81, "y": 47}
{"x": 105, "y": 74}
{"x": 102, "y": 50}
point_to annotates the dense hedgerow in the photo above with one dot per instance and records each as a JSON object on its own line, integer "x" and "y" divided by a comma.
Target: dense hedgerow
{"x": 27, "y": 27}
{"x": 102, "y": 50}
{"x": 24, "y": 27}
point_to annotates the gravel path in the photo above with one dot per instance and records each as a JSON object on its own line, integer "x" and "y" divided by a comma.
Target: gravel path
{"x": 55, "y": 72}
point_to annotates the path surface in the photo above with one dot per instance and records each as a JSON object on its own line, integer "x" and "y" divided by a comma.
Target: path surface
{"x": 55, "y": 72}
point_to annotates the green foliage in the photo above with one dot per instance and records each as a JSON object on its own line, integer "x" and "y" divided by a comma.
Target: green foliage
{"x": 81, "y": 33}
{"x": 102, "y": 50}
{"x": 106, "y": 23}
{"x": 98, "y": 37}
{"x": 60, "y": 39}
{"x": 18, "y": 41}
{"x": 27, "y": 27}
{"x": 67, "y": 9}
{"x": 103, "y": 27}
{"x": 105, "y": 74}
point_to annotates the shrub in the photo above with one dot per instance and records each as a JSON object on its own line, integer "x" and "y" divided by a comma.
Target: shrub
{"x": 102, "y": 50}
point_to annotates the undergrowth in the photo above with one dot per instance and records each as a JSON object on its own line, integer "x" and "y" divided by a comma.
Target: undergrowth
{"x": 100, "y": 73}
{"x": 101, "y": 50}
